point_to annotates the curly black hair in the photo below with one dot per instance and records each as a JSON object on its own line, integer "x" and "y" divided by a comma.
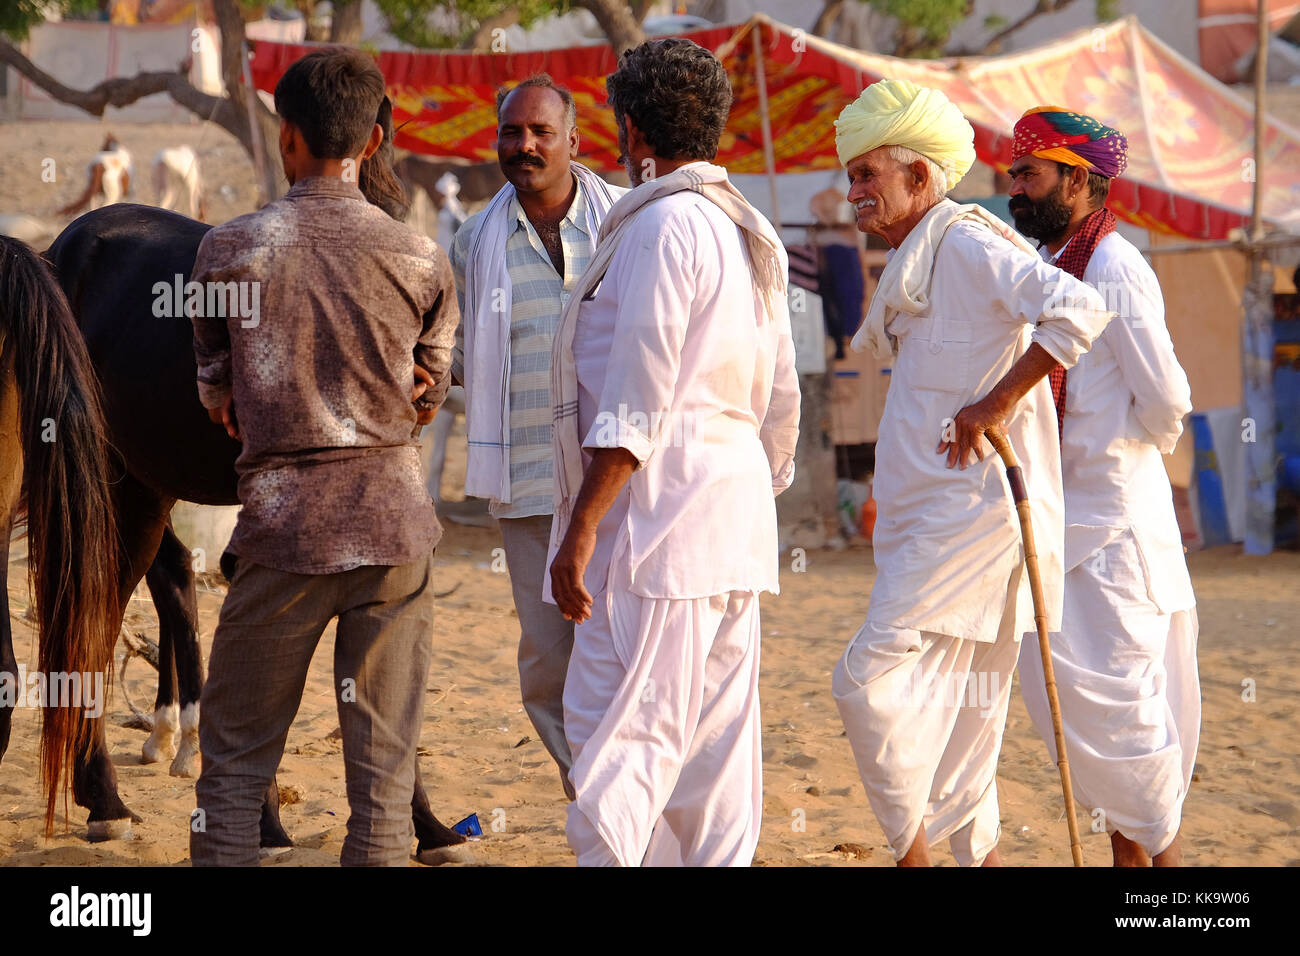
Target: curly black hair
{"x": 676, "y": 92}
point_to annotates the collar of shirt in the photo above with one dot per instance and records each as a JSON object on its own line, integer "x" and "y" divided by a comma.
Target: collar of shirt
{"x": 325, "y": 186}
{"x": 1051, "y": 257}
{"x": 575, "y": 217}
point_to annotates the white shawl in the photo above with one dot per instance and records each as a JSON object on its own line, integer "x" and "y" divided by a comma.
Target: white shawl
{"x": 905, "y": 283}
{"x": 762, "y": 244}
{"x": 487, "y": 335}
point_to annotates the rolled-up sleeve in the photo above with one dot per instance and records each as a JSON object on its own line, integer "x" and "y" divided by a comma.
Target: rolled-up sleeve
{"x": 1068, "y": 315}
{"x": 780, "y": 430}
{"x": 1140, "y": 342}
{"x": 645, "y": 355}
{"x": 211, "y": 337}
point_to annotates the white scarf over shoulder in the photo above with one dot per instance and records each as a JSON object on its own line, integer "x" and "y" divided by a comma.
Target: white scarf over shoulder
{"x": 905, "y": 283}
{"x": 487, "y": 335}
{"x": 762, "y": 244}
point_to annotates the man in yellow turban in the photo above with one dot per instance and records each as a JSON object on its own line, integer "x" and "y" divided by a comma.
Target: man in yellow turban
{"x": 966, "y": 308}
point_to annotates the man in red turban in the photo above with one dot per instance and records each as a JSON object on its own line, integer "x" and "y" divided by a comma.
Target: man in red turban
{"x": 1125, "y": 658}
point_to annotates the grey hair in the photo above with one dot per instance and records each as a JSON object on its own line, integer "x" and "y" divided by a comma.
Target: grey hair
{"x": 937, "y": 184}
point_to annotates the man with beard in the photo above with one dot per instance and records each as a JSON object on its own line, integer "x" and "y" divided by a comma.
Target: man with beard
{"x": 516, "y": 264}
{"x": 1125, "y": 658}
{"x": 676, "y": 417}
{"x": 962, "y": 308}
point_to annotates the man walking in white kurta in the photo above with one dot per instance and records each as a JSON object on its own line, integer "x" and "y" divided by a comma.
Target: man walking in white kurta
{"x": 1125, "y": 656}
{"x": 676, "y": 417}
{"x": 962, "y": 308}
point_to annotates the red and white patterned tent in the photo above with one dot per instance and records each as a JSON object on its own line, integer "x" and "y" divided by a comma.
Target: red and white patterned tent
{"x": 1190, "y": 164}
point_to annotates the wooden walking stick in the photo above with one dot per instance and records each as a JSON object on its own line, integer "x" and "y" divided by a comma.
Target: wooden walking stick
{"x": 1016, "y": 478}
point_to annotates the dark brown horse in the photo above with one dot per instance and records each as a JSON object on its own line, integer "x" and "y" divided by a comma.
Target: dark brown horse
{"x": 163, "y": 449}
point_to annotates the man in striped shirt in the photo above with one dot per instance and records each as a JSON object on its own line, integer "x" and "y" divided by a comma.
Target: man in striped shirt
{"x": 520, "y": 257}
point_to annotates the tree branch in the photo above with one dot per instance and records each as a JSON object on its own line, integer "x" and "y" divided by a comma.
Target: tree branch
{"x": 1040, "y": 8}
{"x": 826, "y": 19}
{"x": 481, "y": 39}
{"x": 119, "y": 91}
{"x": 617, "y": 22}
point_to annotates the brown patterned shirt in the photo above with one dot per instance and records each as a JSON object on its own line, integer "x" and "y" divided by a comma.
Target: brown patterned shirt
{"x": 315, "y": 310}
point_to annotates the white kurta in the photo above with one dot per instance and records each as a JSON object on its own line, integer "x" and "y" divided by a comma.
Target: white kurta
{"x": 947, "y": 539}
{"x": 947, "y": 542}
{"x": 1125, "y": 657}
{"x": 676, "y": 364}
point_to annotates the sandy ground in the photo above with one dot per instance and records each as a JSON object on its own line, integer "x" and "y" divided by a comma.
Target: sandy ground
{"x": 479, "y": 753}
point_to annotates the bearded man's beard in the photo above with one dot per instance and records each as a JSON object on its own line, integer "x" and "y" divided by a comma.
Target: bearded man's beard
{"x": 1044, "y": 220}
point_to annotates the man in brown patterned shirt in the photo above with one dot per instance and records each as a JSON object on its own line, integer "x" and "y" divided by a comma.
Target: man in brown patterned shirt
{"x": 331, "y": 310}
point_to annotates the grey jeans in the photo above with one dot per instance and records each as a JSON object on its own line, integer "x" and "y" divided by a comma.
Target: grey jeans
{"x": 269, "y": 627}
{"x": 545, "y": 638}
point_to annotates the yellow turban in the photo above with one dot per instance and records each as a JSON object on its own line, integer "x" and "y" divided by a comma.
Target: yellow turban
{"x": 900, "y": 113}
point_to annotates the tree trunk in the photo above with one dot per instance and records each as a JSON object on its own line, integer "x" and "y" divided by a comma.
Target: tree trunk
{"x": 345, "y": 23}
{"x": 826, "y": 19}
{"x": 482, "y": 38}
{"x": 617, "y": 21}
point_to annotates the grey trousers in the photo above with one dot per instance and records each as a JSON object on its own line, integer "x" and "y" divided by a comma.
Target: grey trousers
{"x": 269, "y": 627}
{"x": 545, "y": 639}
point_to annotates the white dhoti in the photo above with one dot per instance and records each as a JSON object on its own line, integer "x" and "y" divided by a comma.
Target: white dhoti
{"x": 661, "y": 713}
{"x": 1130, "y": 697}
{"x": 924, "y": 714}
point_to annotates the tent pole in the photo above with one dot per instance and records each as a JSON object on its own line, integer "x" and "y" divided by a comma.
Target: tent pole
{"x": 1257, "y": 338}
{"x": 769, "y": 155}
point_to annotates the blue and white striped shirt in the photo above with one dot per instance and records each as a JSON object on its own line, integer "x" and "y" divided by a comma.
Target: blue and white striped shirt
{"x": 537, "y": 296}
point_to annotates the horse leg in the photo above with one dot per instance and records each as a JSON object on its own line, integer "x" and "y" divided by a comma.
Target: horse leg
{"x": 141, "y": 517}
{"x": 171, "y": 584}
{"x": 436, "y": 843}
{"x": 161, "y": 744}
{"x": 274, "y": 839}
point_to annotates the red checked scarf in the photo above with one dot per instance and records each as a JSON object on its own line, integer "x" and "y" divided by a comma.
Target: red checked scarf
{"x": 1074, "y": 259}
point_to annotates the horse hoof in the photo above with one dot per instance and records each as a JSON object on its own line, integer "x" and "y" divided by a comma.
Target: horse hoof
{"x": 101, "y": 831}
{"x": 266, "y": 852}
{"x": 161, "y": 744}
{"x": 186, "y": 763}
{"x": 438, "y": 855}
{"x": 155, "y": 751}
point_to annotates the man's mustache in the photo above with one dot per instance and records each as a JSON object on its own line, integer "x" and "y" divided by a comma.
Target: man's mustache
{"x": 525, "y": 159}
{"x": 1020, "y": 205}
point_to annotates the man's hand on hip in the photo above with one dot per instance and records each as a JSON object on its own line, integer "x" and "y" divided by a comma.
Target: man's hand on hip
{"x": 224, "y": 415}
{"x": 423, "y": 382}
{"x": 970, "y": 424}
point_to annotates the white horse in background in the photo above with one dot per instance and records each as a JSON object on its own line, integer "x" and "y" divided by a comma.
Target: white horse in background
{"x": 108, "y": 179}
{"x": 177, "y": 183}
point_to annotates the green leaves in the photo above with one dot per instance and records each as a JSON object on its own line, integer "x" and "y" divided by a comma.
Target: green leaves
{"x": 17, "y": 17}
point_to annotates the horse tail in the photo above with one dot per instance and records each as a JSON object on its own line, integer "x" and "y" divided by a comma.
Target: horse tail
{"x": 74, "y": 554}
